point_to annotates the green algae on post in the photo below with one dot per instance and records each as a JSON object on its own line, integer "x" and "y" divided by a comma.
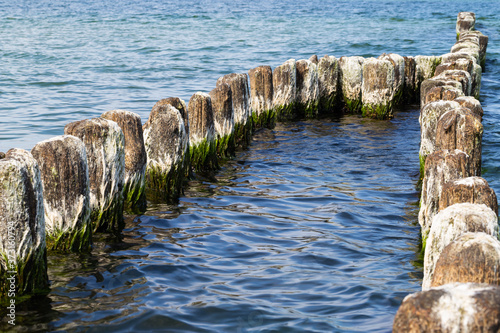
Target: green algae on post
{"x": 65, "y": 179}
{"x": 105, "y": 146}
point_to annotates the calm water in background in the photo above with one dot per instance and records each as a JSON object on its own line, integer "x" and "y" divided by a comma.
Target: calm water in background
{"x": 313, "y": 228}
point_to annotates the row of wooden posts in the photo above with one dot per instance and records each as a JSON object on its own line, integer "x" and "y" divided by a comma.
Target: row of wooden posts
{"x": 68, "y": 187}
{"x": 458, "y": 210}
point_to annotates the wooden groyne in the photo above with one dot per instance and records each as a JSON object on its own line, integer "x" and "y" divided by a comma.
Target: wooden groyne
{"x": 458, "y": 210}
{"x": 69, "y": 187}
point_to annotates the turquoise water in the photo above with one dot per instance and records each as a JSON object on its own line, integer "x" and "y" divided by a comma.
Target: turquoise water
{"x": 312, "y": 229}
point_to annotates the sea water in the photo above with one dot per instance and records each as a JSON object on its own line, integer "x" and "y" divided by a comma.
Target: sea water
{"x": 313, "y": 228}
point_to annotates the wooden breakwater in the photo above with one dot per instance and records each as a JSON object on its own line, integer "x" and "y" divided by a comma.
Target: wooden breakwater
{"x": 458, "y": 210}
{"x": 72, "y": 186}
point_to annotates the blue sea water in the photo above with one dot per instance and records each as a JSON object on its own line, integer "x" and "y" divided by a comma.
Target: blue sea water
{"x": 312, "y": 229}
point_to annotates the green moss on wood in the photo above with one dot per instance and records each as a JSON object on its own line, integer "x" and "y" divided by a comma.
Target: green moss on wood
{"x": 307, "y": 110}
{"x": 267, "y": 119}
{"x": 135, "y": 198}
{"x": 328, "y": 105}
{"x": 243, "y": 133}
{"x": 109, "y": 219}
{"x": 30, "y": 277}
{"x": 226, "y": 146}
{"x": 352, "y": 105}
{"x": 166, "y": 186}
{"x": 377, "y": 111}
{"x": 285, "y": 112}
{"x": 79, "y": 240}
{"x": 203, "y": 156}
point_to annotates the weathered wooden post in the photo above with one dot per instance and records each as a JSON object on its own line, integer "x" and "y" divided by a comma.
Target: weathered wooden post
{"x": 222, "y": 107}
{"x": 241, "y": 107}
{"x": 328, "y": 84}
{"x": 451, "y": 223}
{"x": 461, "y": 129}
{"x": 450, "y": 308}
{"x": 23, "y": 259}
{"x": 437, "y": 89}
{"x": 475, "y": 73}
{"x": 284, "y": 90}
{"x": 474, "y": 190}
{"x": 482, "y": 41}
{"x": 398, "y": 62}
{"x": 314, "y": 59}
{"x": 472, "y": 104}
{"x": 460, "y": 76}
{"x": 105, "y": 146}
{"x": 307, "y": 89}
{"x": 377, "y": 89}
{"x": 425, "y": 66}
{"x": 351, "y": 79}
{"x": 180, "y": 105}
{"x": 65, "y": 179}
{"x": 472, "y": 257}
{"x": 410, "y": 86}
{"x": 440, "y": 167}
{"x": 167, "y": 148}
{"x": 202, "y": 142}
{"x": 465, "y": 22}
{"x": 458, "y": 64}
{"x": 429, "y": 117}
{"x": 135, "y": 158}
{"x": 261, "y": 96}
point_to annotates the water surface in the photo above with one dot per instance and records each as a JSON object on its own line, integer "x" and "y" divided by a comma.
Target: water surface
{"x": 311, "y": 229}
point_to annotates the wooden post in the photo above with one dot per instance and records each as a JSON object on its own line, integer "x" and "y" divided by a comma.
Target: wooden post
{"x": 66, "y": 198}
{"x": 261, "y": 96}
{"x": 222, "y": 107}
{"x": 472, "y": 190}
{"x": 451, "y": 223}
{"x": 105, "y": 146}
{"x": 307, "y": 89}
{"x": 135, "y": 159}
{"x": 242, "y": 112}
{"x": 167, "y": 148}
{"x": 328, "y": 82}
{"x": 441, "y": 167}
{"x": 285, "y": 90}
{"x": 461, "y": 129}
{"x": 202, "y": 143}
{"x": 378, "y": 88}
{"x": 454, "y": 307}
{"x": 351, "y": 80}
{"x": 472, "y": 257}
{"x": 23, "y": 259}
